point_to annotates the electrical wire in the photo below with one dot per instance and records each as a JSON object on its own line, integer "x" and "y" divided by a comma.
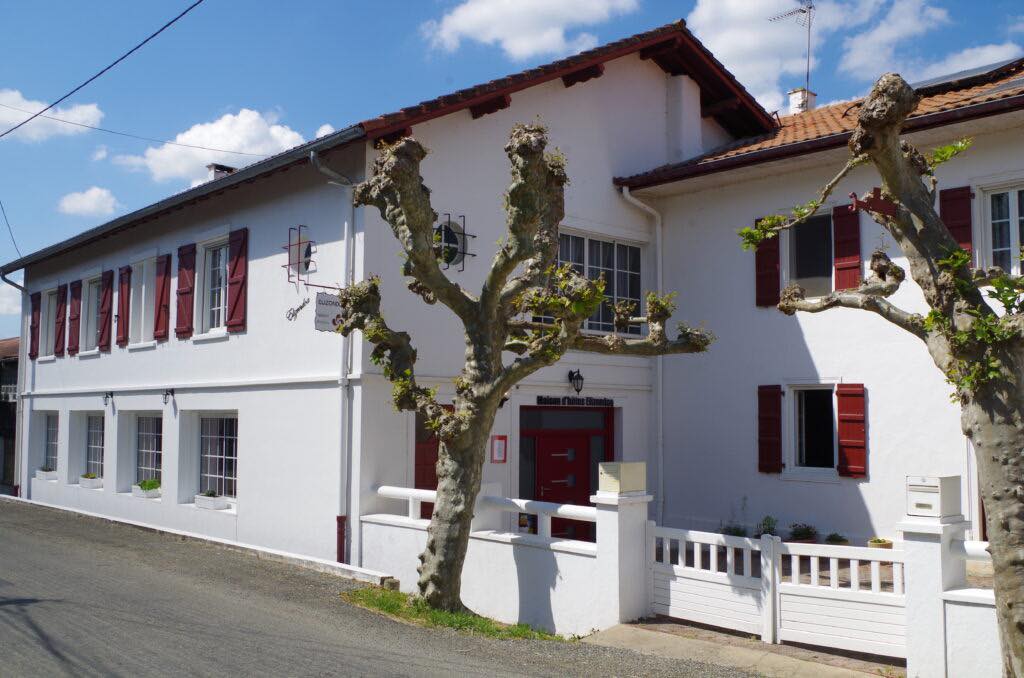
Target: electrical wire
{"x": 15, "y": 242}
{"x": 116, "y": 62}
{"x": 133, "y": 136}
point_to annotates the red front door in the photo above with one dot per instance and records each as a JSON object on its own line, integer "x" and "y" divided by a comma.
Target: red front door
{"x": 563, "y": 477}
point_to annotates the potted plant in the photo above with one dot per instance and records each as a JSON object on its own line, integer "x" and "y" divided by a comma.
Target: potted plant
{"x": 767, "y": 525}
{"x": 211, "y": 500}
{"x": 147, "y": 489}
{"x": 836, "y": 539}
{"x": 802, "y": 533}
{"x": 733, "y": 530}
{"x": 46, "y": 473}
{"x": 879, "y": 543}
{"x": 90, "y": 481}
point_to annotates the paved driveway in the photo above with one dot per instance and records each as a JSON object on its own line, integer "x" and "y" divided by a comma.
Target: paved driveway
{"x": 81, "y": 596}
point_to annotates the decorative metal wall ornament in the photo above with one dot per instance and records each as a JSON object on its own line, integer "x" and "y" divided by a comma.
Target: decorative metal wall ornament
{"x": 452, "y": 241}
{"x": 576, "y": 380}
{"x": 301, "y": 251}
{"x": 293, "y": 313}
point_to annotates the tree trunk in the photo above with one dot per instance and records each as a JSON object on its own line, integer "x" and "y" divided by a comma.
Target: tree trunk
{"x": 995, "y": 428}
{"x": 459, "y": 468}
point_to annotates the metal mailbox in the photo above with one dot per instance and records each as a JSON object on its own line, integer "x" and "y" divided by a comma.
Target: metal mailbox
{"x": 933, "y": 496}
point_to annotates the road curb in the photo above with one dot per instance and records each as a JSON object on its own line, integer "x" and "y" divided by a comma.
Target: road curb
{"x": 306, "y": 562}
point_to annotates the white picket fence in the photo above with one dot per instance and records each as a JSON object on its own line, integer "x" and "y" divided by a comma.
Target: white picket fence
{"x": 833, "y": 596}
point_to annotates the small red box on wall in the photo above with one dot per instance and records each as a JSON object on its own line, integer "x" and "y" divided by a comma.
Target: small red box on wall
{"x": 499, "y": 449}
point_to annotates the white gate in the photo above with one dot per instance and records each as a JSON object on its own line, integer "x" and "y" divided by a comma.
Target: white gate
{"x": 834, "y": 596}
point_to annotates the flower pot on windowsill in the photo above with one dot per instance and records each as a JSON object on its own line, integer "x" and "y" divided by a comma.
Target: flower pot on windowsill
{"x": 879, "y": 543}
{"x": 145, "y": 494}
{"x": 91, "y": 483}
{"x": 45, "y": 475}
{"x": 218, "y": 503}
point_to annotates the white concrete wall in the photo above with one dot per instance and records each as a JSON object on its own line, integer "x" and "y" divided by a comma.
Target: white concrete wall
{"x": 710, "y": 400}
{"x": 972, "y": 639}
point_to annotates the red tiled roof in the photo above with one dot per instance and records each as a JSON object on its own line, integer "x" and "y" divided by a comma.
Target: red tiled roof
{"x": 672, "y": 46}
{"x": 9, "y": 348}
{"x": 831, "y": 126}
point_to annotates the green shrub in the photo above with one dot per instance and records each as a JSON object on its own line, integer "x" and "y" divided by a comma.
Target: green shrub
{"x": 836, "y": 538}
{"x": 734, "y": 530}
{"x": 89, "y": 476}
{"x": 766, "y": 526}
{"x": 47, "y": 468}
{"x": 210, "y": 493}
{"x": 149, "y": 484}
{"x": 802, "y": 531}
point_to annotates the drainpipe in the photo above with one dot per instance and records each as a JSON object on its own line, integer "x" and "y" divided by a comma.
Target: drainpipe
{"x": 19, "y": 405}
{"x": 348, "y": 266}
{"x": 659, "y": 367}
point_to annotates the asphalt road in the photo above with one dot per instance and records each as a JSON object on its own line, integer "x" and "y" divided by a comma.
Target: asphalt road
{"x": 81, "y": 596}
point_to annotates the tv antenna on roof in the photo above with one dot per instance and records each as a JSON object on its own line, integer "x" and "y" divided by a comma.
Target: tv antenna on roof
{"x": 804, "y": 17}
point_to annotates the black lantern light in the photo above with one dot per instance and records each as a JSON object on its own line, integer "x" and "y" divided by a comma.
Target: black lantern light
{"x": 107, "y": 397}
{"x": 576, "y": 379}
{"x": 168, "y": 394}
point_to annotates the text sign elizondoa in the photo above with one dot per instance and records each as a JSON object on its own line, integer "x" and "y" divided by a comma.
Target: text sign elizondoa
{"x": 328, "y": 312}
{"x": 575, "y": 401}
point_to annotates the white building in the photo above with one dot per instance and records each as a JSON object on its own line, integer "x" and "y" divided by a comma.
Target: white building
{"x": 161, "y": 344}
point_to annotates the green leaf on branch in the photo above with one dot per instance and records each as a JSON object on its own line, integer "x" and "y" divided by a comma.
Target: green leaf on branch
{"x": 948, "y": 152}
{"x": 764, "y": 229}
{"x": 1009, "y": 292}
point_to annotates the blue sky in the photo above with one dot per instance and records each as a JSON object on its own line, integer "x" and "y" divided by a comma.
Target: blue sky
{"x": 263, "y": 76}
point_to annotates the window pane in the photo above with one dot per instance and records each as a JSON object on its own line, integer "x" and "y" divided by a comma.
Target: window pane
{"x": 218, "y": 446}
{"x": 562, "y": 419}
{"x": 810, "y": 255}
{"x": 94, "y": 445}
{"x": 50, "y": 457}
{"x": 815, "y": 429}
{"x": 216, "y": 286}
{"x": 1001, "y": 256}
{"x": 149, "y": 449}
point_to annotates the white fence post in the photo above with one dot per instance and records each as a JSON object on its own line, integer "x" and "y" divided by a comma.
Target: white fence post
{"x": 622, "y": 552}
{"x": 769, "y": 583}
{"x": 931, "y": 570}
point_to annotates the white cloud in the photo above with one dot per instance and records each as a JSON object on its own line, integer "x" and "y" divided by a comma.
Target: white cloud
{"x": 869, "y": 54}
{"x": 1016, "y": 24}
{"x": 10, "y": 300}
{"x": 92, "y": 202}
{"x": 759, "y": 52}
{"x": 524, "y": 28}
{"x": 43, "y": 128}
{"x": 100, "y": 153}
{"x": 323, "y": 130}
{"x": 972, "y": 57}
{"x": 247, "y": 131}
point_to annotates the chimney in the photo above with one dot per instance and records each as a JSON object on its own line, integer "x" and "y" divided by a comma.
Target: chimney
{"x": 801, "y": 99}
{"x": 217, "y": 170}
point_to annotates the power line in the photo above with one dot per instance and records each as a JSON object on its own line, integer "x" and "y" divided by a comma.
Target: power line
{"x": 133, "y": 136}
{"x": 119, "y": 60}
{"x": 4, "y": 212}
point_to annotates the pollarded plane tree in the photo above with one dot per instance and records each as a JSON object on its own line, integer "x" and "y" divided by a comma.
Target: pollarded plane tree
{"x": 503, "y": 342}
{"x": 974, "y": 329}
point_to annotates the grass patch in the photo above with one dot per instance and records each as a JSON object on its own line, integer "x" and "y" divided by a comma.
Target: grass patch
{"x": 408, "y": 608}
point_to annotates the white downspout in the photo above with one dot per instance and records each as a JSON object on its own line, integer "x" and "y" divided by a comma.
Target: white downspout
{"x": 347, "y": 268}
{"x": 659, "y": 426}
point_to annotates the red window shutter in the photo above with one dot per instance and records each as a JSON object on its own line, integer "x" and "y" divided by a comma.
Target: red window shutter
{"x": 124, "y": 304}
{"x": 106, "y": 310}
{"x": 238, "y": 271}
{"x": 162, "y": 312}
{"x": 955, "y": 210}
{"x": 186, "y": 291}
{"x": 33, "y": 327}
{"x": 766, "y": 273}
{"x": 769, "y": 429}
{"x": 58, "y": 321}
{"x": 853, "y": 441}
{"x": 74, "y": 317}
{"x": 846, "y": 245}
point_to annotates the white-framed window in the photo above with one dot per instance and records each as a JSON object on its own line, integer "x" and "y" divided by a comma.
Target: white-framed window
{"x": 810, "y": 255}
{"x": 50, "y": 448}
{"x": 48, "y": 332}
{"x": 619, "y": 262}
{"x": 1004, "y": 216}
{"x": 94, "y": 445}
{"x": 213, "y": 301}
{"x": 149, "y": 445}
{"x": 218, "y": 455}
{"x": 813, "y": 441}
{"x": 91, "y": 314}
{"x": 143, "y": 301}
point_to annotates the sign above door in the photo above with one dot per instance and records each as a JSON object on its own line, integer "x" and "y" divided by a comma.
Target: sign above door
{"x": 575, "y": 401}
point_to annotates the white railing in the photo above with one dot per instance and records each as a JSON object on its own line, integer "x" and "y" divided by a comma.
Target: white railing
{"x": 709, "y": 551}
{"x": 861, "y": 565}
{"x": 970, "y": 550}
{"x": 8, "y": 392}
{"x": 544, "y": 510}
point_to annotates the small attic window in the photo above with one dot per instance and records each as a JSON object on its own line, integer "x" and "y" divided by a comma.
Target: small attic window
{"x": 451, "y": 241}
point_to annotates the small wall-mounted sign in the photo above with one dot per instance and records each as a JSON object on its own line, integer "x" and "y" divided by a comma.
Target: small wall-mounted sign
{"x": 328, "y": 312}
{"x": 499, "y": 449}
{"x": 575, "y": 401}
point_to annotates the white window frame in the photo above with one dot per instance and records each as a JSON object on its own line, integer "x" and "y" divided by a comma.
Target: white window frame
{"x": 142, "y": 303}
{"x": 786, "y": 244}
{"x": 202, "y": 300}
{"x": 219, "y": 479}
{"x": 149, "y": 447}
{"x": 92, "y": 465}
{"x": 1016, "y": 218}
{"x": 89, "y": 320}
{"x": 48, "y": 323}
{"x": 51, "y": 440}
{"x": 614, "y": 242}
{"x": 790, "y": 431}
